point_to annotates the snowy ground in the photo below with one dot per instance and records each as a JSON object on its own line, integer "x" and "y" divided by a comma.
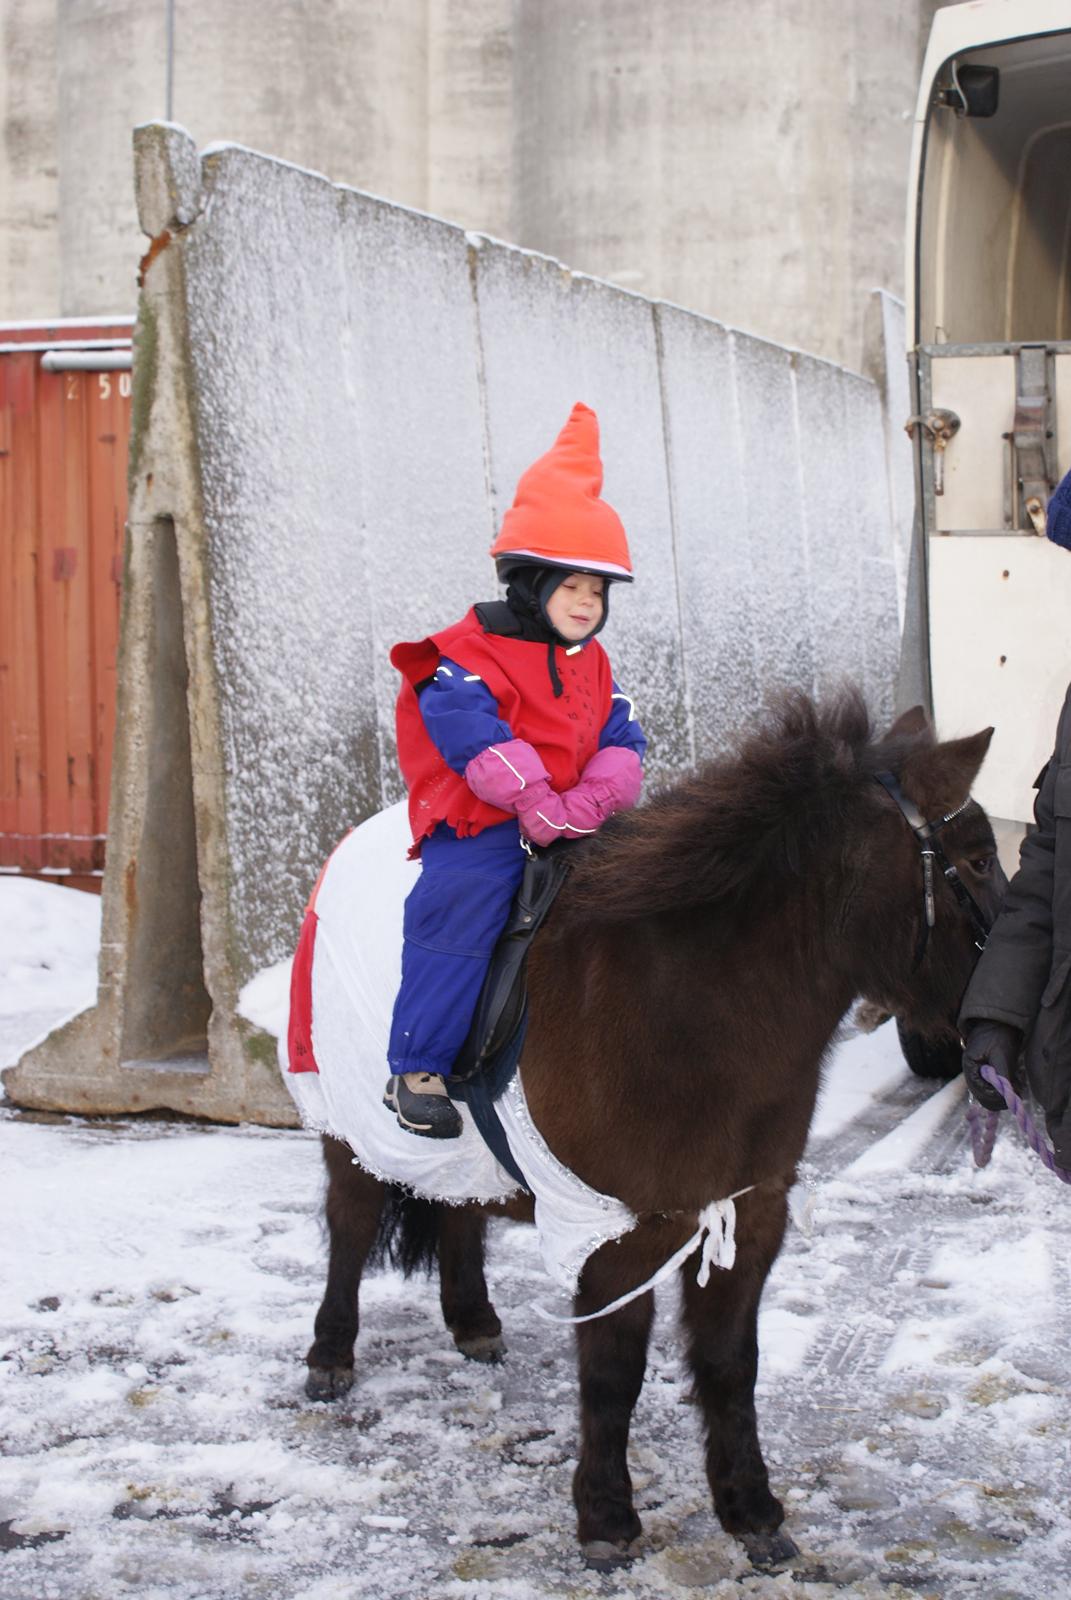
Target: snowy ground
{"x": 157, "y": 1297}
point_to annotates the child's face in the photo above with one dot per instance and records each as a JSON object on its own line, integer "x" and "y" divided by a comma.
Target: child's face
{"x": 575, "y": 607}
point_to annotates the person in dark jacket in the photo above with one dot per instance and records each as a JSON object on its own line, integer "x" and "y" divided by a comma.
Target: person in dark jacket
{"x": 1017, "y": 1008}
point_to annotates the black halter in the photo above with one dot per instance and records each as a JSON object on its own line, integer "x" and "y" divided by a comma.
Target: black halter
{"x": 930, "y": 849}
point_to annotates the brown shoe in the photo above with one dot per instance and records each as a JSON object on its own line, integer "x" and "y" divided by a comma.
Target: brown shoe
{"x": 420, "y": 1102}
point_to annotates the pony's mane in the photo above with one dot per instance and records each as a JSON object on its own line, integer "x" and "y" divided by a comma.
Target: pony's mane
{"x": 739, "y": 826}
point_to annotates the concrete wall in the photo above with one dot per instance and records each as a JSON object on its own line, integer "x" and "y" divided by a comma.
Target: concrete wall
{"x": 471, "y": 64}
{"x": 334, "y": 397}
{"x": 29, "y": 163}
{"x": 747, "y": 159}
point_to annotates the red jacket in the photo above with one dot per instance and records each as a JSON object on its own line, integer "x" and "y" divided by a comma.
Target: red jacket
{"x": 564, "y": 729}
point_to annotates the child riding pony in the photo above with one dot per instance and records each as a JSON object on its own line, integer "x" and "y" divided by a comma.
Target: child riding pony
{"x": 511, "y": 729}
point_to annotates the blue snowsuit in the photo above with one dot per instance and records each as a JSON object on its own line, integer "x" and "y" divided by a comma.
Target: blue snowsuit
{"x": 458, "y": 908}
{"x": 1059, "y": 513}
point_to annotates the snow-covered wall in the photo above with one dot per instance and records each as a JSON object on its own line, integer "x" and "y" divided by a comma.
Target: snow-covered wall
{"x": 337, "y": 398}
{"x": 368, "y": 385}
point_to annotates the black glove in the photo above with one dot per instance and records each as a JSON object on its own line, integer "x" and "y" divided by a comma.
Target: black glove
{"x": 999, "y": 1044}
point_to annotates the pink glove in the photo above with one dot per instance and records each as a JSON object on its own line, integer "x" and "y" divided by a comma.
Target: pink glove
{"x": 512, "y": 777}
{"x": 543, "y": 816}
{"x": 610, "y": 782}
{"x": 503, "y": 772}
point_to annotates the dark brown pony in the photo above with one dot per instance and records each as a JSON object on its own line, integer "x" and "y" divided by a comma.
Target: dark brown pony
{"x": 683, "y": 995}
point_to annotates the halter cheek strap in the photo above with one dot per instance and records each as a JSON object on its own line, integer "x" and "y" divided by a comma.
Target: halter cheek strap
{"x": 931, "y": 851}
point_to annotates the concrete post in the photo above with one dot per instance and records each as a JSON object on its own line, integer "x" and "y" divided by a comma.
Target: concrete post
{"x": 167, "y": 986}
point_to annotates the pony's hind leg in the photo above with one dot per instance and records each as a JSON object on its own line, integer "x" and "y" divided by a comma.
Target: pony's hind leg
{"x": 467, "y": 1310}
{"x": 353, "y": 1206}
{"x": 722, "y": 1320}
{"x": 613, "y": 1357}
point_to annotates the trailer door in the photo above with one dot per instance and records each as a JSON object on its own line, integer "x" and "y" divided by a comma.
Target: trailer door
{"x": 989, "y": 334}
{"x": 999, "y": 595}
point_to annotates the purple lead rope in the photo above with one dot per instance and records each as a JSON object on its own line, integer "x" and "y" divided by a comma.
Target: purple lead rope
{"x": 984, "y": 1125}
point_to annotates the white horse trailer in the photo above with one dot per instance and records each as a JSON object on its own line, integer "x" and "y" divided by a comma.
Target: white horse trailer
{"x": 989, "y": 347}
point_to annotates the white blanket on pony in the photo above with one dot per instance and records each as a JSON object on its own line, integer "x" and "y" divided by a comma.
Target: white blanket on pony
{"x": 355, "y": 975}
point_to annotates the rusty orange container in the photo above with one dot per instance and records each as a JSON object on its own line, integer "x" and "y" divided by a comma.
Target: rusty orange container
{"x": 64, "y": 429}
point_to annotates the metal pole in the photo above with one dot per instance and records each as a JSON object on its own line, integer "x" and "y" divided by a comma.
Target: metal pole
{"x": 170, "y": 96}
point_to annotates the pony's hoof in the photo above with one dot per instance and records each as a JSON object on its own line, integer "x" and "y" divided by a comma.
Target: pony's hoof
{"x": 328, "y": 1383}
{"x": 604, "y": 1555}
{"x": 769, "y": 1549}
{"x": 489, "y": 1347}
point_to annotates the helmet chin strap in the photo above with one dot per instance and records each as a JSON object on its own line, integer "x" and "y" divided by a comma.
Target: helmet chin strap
{"x": 529, "y": 589}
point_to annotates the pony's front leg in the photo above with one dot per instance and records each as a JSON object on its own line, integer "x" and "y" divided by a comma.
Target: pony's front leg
{"x": 721, "y": 1320}
{"x": 613, "y": 1357}
{"x": 467, "y": 1309}
{"x": 353, "y": 1206}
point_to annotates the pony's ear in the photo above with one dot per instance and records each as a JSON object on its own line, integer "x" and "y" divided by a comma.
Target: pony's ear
{"x": 909, "y": 724}
{"x": 939, "y": 778}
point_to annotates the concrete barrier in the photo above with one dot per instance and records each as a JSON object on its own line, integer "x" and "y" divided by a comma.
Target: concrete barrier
{"x": 334, "y": 397}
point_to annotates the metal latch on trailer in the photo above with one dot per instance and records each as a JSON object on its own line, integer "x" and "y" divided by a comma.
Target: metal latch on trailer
{"x": 1030, "y": 456}
{"x": 939, "y": 426}
{"x": 1030, "y": 469}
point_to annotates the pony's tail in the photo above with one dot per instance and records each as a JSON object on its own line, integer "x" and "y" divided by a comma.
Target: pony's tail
{"x": 408, "y": 1234}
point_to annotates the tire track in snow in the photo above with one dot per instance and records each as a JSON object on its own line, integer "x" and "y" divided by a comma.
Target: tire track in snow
{"x": 881, "y": 1115}
{"x": 880, "y": 1140}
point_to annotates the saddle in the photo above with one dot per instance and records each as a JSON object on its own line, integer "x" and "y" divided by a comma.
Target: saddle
{"x": 501, "y": 1010}
{"x": 488, "y": 1058}
{"x": 492, "y": 1050}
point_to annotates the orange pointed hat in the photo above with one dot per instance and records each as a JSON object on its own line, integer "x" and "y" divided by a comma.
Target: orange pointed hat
{"x": 557, "y": 518}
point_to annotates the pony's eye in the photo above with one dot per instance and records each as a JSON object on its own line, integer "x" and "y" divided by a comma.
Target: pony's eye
{"x": 983, "y": 865}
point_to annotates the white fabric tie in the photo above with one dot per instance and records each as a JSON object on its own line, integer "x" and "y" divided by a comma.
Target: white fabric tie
{"x": 719, "y": 1239}
{"x": 717, "y": 1235}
